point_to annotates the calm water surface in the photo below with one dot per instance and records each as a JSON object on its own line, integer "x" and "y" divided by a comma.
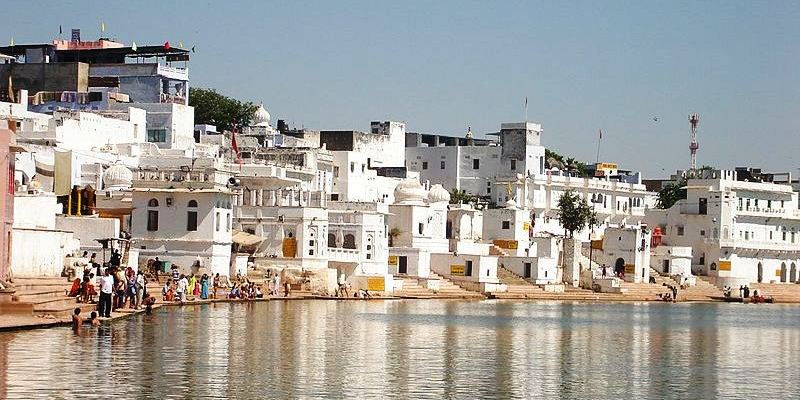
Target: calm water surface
{"x": 416, "y": 349}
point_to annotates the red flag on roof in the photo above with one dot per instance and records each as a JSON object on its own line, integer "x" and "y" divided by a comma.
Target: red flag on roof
{"x": 235, "y": 146}
{"x": 166, "y": 45}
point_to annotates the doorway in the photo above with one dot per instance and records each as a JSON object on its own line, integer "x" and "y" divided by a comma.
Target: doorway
{"x": 619, "y": 266}
{"x": 527, "y": 273}
{"x": 402, "y": 265}
{"x": 783, "y": 272}
{"x": 760, "y": 272}
{"x": 793, "y": 273}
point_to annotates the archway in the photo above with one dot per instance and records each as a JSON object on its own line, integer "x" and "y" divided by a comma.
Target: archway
{"x": 783, "y": 272}
{"x": 331, "y": 240}
{"x": 760, "y": 272}
{"x": 793, "y": 273}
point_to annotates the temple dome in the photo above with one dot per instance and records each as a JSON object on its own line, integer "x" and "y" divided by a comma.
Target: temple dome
{"x": 409, "y": 191}
{"x": 261, "y": 116}
{"x": 117, "y": 176}
{"x": 438, "y": 194}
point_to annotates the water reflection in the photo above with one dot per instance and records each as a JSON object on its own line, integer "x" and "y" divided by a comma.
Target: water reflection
{"x": 417, "y": 349}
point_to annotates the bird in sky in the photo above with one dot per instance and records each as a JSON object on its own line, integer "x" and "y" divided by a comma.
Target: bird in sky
{"x": 655, "y": 119}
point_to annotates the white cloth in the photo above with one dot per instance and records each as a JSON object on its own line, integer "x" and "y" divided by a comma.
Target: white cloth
{"x": 107, "y": 284}
{"x": 182, "y": 285}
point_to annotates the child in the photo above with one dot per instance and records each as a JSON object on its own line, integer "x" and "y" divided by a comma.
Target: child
{"x": 93, "y": 319}
{"x": 77, "y": 321}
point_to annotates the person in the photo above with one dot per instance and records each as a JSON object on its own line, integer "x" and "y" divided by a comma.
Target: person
{"x": 116, "y": 258}
{"x": 75, "y": 290}
{"x": 343, "y": 292}
{"x": 192, "y": 284}
{"x": 746, "y": 291}
{"x": 166, "y": 291}
{"x": 259, "y": 294}
{"x": 287, "y": 289}
{"x": 215, "y": 286}
{"x": 106, "y": 290}
{"x": 119, "y": 287}
{"x": 131, "y": 292}
{"x": 183, "y": 286}
{"x": 604, "y": 271}
{"x": 148, "y": 302}
{"x": 175, "y": 273}
{"x": 204, "y": 287}
{"x": 674, "y": 293}
{"x": 141, "y": 287}
{"x": 741, "y": 291}
{"x": 77, "y": 321}
{"x": 85, "y": 289}
{"x": 157, "y": 267}
{"x": 93, "y": 319}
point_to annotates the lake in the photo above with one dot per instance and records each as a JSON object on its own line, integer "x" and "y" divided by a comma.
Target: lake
{"x": 416, "y": 349}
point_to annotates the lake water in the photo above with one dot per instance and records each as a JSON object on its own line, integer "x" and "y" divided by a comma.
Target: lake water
{"x": 416, "y": 349}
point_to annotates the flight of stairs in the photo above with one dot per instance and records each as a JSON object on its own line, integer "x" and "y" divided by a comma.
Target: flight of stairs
{"x": 48, "y": 296}
{"x": 780, "y": 292}
{"x": 703, "y": 290}
{"x": 447, "y": 290}
{"x": 518, "y": 287}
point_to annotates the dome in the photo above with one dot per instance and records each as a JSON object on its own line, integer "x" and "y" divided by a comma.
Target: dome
{"x": 261, "y": 116}
{"x": 438, "y": 194}
{"x": 117, "y": 176}
{"x": 409, "y": 191}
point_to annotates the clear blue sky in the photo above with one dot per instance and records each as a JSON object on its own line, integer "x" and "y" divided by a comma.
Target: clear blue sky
{"x": 445, "y": 65}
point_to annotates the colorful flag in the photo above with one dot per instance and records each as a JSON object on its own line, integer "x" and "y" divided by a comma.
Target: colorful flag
{"x": 11, "y": 43}
{"x": 133, "y": 46}
{"x": 102, "y": 27}
{"x": 166, "y": 45}
{"x": 180, "y": 45}
{"x": 235, "y": 146}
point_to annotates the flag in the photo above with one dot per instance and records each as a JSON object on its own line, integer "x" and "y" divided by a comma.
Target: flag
{"x": 526, "y": 101}
{"x": 192, "y": 49}
{"x": 601, "y": 133}
{"x": 180, "y": 44}
{"x": 133, "y": 46}
{"x": 60, "y": 31}
{"x": 11, "y": 43}
{"x": 235, "y": 146}
{"x": 102, "y": 27}
{"x": 166, "y": 45}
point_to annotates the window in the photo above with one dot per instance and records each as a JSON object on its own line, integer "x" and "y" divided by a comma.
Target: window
{"x": 441, "y": 165}
{"x": 506, "y": 225}
{"x": 152, "y": 203}
{"x": 157, "y": 135}
{"x": 421, "y": 228}
{"x": 476, "y": 163}
{"x": 424, "y": 165}
{"x": 216, "y": 222}
{"x": 228, "y": 223}
{"x": 335, "y": 172}
{"x": 680, "y": 231}
{"x": 191, "y": 221}
{"x": 349, "y": 241}
{"x": 352, "y": 167}
{"x": 513, "y": 164}
{"x": 152, "y": 220}
{"x": 702, "y": 232}
{"x": 311, "y": 247}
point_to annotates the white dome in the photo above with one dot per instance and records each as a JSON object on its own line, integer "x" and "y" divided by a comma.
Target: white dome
{"x": 117, "y": 176}
{"x": 261, "y": 116}
{"x": 409, "y": 191}
{"x": 438, "y": 194}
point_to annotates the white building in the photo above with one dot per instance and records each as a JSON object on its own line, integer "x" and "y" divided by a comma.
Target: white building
{"x": 740, "y": 232}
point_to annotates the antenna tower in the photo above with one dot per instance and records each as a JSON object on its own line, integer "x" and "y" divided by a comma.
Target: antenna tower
{"x": 694, "y": 120}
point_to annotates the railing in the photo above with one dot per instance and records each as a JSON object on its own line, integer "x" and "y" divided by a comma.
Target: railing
{"x": 340, "y": 254}
{"x": 756, "y": 244}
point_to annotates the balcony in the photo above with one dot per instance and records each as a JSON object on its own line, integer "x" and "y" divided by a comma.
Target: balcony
{"x": 344, "y": 255}
{"x": 755, "y": 244}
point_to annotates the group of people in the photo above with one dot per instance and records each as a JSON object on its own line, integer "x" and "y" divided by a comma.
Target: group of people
{"x": 671, "y": 295}
{"x": 618, "y": 272}
{"x": 182, "y": 286}
{"x": 115, "y": 287}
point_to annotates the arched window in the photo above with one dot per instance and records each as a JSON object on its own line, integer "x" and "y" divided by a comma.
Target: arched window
{"x": 152, "y": 203}
{"x": 191, "y": 216}
{"x": 331, "y": 240}
{"x": 349, "y": 241}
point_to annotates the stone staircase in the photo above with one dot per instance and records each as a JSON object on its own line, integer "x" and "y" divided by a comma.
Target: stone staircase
{"x": 48, "y": 296}
{"x": 412, "y": 289}
{"x": 780, "y": 292}
{"x": 518, "y": 287}
{"x": 495, "y": 250}
{"x": 447, "y": 290}
{"x": 703, "y": 290}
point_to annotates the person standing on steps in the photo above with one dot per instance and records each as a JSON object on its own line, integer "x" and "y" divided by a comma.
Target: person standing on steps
{"x": 106, "y": 291}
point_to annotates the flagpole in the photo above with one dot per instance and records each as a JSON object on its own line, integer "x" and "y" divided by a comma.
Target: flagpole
{"x": 526, "y": 108}
{"x": 597, "y": 160}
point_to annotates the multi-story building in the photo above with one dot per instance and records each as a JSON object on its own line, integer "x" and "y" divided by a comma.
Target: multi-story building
{"x": 740, "y": 232}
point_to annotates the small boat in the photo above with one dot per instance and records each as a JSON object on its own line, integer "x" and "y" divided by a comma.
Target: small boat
{"x": 751, "y": 299}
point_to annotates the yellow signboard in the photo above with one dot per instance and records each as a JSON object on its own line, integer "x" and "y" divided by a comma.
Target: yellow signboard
{"x": 289, "y": 247}
{"x": 630, "y": 269}
{"x": 506, "y": 244}
{"x": 597, "y": 244}
{"x": 605, "y": 166}
{"x": 457, "y": 270}
{"x": 376, "y": 284}
{"x": 724, "y": 265}
{"x": 526, "y": 226}
{"x": 393, "y": 260}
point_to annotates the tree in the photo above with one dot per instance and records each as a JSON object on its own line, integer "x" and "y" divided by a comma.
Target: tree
{"x": 671, "y": 193}
{"x": 213, "y": 108}
{"x": 461, "y": 196}
{"x": 574, "y": 212}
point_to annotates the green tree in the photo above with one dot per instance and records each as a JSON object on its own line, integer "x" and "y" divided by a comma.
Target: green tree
{"x": 574, "y": 212}
{"x": 213, "y": 108}
{"x": 671, "y": 193}
{"x": 461, "y": 196}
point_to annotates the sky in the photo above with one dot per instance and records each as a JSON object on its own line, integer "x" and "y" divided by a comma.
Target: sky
{"x": 441, "y": 66}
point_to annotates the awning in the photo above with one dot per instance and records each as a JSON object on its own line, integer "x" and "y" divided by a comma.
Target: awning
{"x": 245, "y": 239}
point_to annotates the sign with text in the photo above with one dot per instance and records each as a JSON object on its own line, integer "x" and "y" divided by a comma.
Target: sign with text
{"x": 393, "y": 260}
{"x": 457, "y": 270}
{"x": 724, "y": 265}
{"x": 376, "y": 284}
{"x": 506, "y": 244}
{"x": 630, "y": 269}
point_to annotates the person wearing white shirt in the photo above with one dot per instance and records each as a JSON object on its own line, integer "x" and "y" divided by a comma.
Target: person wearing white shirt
{"x": 183, "y": 284}
{"x": 106, "y": 290}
